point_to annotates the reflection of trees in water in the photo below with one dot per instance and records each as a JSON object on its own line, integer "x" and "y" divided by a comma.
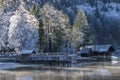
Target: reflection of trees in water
{"x": 47, "y": 75}
{"x": 7, "y": 77}
{"x": 98, "y": 73}
{"x": 51, "y": 76}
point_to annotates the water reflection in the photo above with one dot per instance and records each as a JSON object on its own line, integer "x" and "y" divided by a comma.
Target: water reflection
{"x": 101, "y": 71}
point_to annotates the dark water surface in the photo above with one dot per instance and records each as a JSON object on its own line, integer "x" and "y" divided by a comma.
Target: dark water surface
{"x": 79, "y": 71}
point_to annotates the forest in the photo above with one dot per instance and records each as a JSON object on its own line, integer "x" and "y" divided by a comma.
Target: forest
{"x": 58, "y": 25}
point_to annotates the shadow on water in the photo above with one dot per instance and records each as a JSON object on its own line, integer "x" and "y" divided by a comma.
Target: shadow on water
{"x": 79, "y": 71}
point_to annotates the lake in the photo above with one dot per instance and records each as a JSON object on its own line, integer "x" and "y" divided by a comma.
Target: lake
{"x": 79, "y": 71}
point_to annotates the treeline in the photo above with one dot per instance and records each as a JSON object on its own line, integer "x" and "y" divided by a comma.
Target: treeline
{"x": 67, "y": 27}
{"x": 55, "y": 31}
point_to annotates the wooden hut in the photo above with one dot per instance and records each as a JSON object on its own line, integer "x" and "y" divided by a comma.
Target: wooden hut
{"x": 105, "y": 50}
{"x": 25, "y": 54}
{"x": 85, "y": 52}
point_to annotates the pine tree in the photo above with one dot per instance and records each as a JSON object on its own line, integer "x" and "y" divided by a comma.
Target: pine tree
{"x": 55, "y": 23}
{"x": 36, "y": 11}
{"x": 42, "y": 38}
{"x": 33, "y": 9}
{"x": 80, "y": 30}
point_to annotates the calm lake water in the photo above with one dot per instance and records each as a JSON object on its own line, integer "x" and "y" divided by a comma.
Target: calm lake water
{"x": 79, "y": 71}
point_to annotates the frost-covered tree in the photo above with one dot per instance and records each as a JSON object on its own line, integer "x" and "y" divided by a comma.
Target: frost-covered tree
{"x": 23, "y": 29}
{"x": 104, "y": 22}
{"x": 4, "y": 22}
{"x": 36, "y": 11}
{"x": 55, "y": 25}
{"x": 9, "y": 5}
{"x": 80, "y": 30}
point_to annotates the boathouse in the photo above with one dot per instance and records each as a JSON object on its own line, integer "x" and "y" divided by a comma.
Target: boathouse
{"x": 85, "y": 52}
{"x": 106, "y": 50}
{"x": 26, "y": 54}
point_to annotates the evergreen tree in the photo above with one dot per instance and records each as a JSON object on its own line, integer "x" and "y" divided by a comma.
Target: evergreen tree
{"x": 55, "y": 23}
{"x": 42, "y": 38}
{"x": 36, "y": 11}
{"x": 80, "y": 30}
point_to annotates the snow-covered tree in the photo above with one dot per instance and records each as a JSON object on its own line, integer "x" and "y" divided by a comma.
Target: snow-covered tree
{"x": 4, "y": 23}
{"x": 80, "y": 30}
{"x": 6, "y": 7}
{"x": 55, "y": 25}
{"x": 23, "y": 29}
{"x": 36, "y": 11}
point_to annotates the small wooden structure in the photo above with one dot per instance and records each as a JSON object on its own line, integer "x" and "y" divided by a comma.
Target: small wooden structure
{"x": 101, "y": 49}
{"x": 97, "y": 50}
{"x": 85, "y": 52}
{"x": 26, "y": 54}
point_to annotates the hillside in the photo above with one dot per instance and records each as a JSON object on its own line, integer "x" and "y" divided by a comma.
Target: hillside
{"x": 58, "y": 25}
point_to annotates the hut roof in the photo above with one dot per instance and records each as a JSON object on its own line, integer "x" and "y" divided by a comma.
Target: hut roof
{"x": 27, "y": 52}
{"x": 85, "y": 50}
{"x": 100, "y": 48}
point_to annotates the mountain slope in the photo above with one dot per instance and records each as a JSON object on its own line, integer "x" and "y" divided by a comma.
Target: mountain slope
{"x": 103, "y": 18}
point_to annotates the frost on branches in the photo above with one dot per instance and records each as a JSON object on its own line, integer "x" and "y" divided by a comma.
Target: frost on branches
{"x": 56, "y": 24}
{"x": 4, "y": 25}
{"x": 23, "y": 30}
